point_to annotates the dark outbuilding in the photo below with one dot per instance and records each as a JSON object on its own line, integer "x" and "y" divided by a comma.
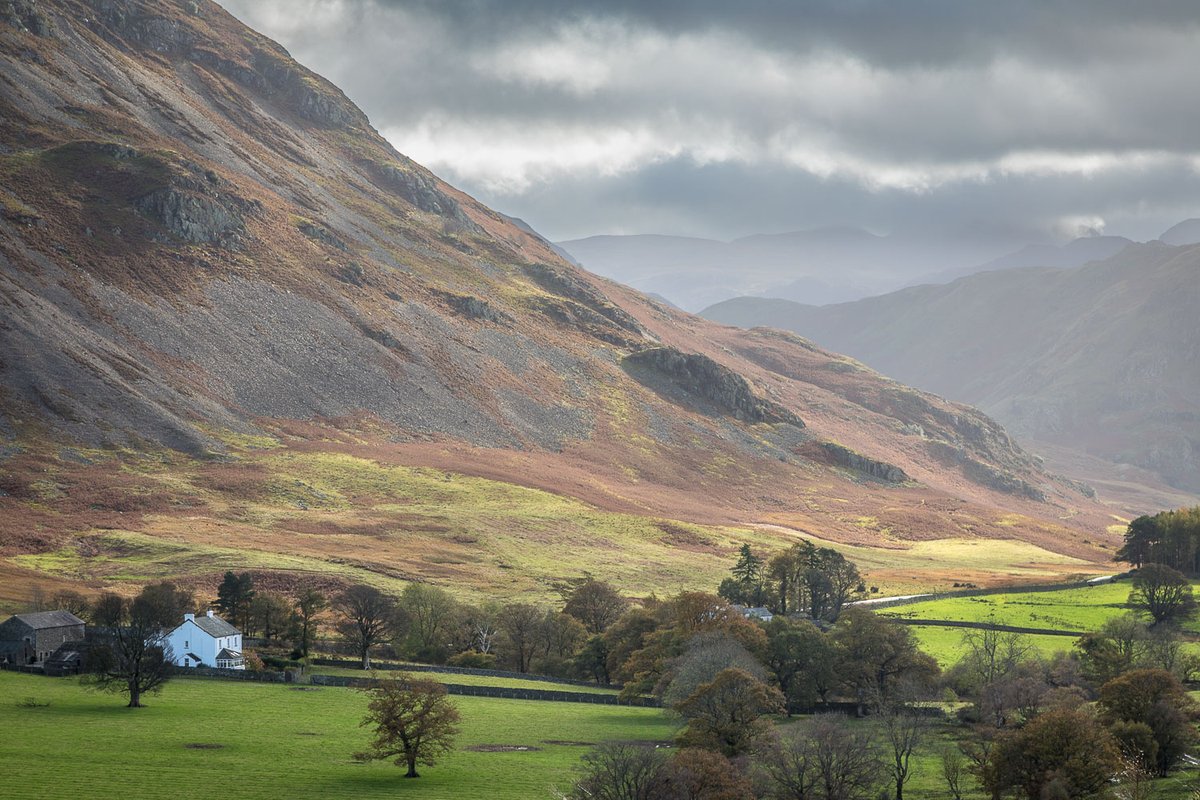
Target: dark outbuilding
{"x": 32, "y": 638}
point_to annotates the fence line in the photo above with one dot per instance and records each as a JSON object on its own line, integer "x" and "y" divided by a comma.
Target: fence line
{"x": 1026, "y": 589}
{"x": 387, "y": 666}
{"x": 503, "y": 692}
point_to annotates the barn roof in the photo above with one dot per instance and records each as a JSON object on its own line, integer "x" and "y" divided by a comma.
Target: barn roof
{"x": 39, "y": 620}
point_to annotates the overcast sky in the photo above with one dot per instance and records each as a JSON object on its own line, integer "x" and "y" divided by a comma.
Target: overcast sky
{"x": 717, "y": 118}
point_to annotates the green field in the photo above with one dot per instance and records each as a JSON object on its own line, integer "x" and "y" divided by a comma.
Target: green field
{"x": 1079, "y": 609}
{"x": 946, "y": 644}
{"x": 277, "y": 742}
{"x": 1076, "y": 609}
{"x": 267, "y": 741}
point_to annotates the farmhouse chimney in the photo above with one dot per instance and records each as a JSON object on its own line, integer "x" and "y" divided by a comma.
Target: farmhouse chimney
{"x": 210, "y": 612}
{"x": 189, "y": 617}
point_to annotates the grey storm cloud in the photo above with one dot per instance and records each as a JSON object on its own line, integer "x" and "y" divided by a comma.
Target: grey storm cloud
{"x": 720, "y": 119}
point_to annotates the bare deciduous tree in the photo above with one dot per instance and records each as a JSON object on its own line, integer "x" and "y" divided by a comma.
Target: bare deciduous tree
{"x": 620, "y": 771}
{"x": 904, "y": 731}
{"x": 366, "y": 618}
{"x": 824, "y": 760}
{"x": 130, "y": 654}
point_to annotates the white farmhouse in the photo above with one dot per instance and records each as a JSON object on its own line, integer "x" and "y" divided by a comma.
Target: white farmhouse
{"x": 206, "y": 641}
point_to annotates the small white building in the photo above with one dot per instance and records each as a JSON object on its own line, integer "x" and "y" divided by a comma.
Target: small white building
{"x": 206, "y": 641}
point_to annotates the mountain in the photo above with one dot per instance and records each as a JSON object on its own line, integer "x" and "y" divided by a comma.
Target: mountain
{"x": 1072, "y": 254}
{"x": 1186, "y": 232}
{"x": 1100, "y": 358}
{"x": 238, "y": 330}
{"x": 817, "y": 266}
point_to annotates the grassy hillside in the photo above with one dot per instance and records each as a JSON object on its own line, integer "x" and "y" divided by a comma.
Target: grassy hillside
{"x": 295, "y": 516}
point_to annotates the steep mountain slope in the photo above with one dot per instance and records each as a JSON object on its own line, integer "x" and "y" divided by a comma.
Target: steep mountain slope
{"x": 237, "y": 329}
{"x": 1100, "y": 358}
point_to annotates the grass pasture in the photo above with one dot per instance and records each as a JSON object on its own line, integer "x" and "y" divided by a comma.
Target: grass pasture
{"x": 276, "y": 742}
{"x": 268, "y": 741}
{"x": 946, "y": 644}
{"x": 1078, "y": 609}
{"x": 1075, "y": 609}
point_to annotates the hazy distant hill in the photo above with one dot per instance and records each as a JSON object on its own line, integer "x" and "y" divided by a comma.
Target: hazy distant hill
{"x": 1186, "y": 232}
{"x": 1102, "y": 357}
{"x": 818, "y": 266}
{"x": 1072, "y": 254}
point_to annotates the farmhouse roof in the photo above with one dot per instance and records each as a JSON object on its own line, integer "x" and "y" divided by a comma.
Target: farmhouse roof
{"x": 215, "y": 626}
{"x": 40, "y": 620}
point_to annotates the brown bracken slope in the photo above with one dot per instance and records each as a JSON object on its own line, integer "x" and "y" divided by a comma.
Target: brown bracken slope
{"x": 207, "y": 253}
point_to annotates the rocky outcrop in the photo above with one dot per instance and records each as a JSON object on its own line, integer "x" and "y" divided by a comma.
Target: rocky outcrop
{"x": 24, "y": 15}
{"x": 305, "y": 93}
{"x": 265, "y": 68}
{"x": 571, "y": 286}
{"x": 420, "y": 190}
{"x": 985, "y": 474}
{"x": 845, "y": 457}
{"x": 472, "y": 307}
{"x": 194, "y": 216}
{"x": 321, "y": 234}
{"x": 582, "y": 318}
{"x": 699, "y": 376}
{"x": 197, "y": 206}
{"x": 184, "y": 201}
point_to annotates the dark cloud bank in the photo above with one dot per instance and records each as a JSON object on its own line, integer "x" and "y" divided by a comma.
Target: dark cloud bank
{"x": 1016, "y": 120}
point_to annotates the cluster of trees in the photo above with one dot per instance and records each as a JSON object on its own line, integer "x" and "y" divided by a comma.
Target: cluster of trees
{"x": 271, "y": 616}
{"x": 1035, "y": 728}
{"x": 806, "y": 580}
{"x": 1069, "y": 725}
{"x": 426, "y": 624}
{"x": 1171, "y": 538}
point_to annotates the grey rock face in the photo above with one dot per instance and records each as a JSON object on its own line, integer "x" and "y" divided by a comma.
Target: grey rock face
{"x": 193, "y": 216}
{"x": 321, "y": 234}
{"x": 563, "y": 283}
{"x": 845, "y": 457}
{"x": 24, "y": 15}
{"x": 702, "y": 377}
{"x": 421, "y": 192}
{"x": 471, "y": 307}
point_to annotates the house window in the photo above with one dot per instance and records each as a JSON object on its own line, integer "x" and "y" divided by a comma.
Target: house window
{"x": 185, "y": 643}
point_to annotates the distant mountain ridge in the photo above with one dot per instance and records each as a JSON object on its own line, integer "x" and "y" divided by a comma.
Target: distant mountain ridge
{"x": 822, "y": 266}
{"x": 1100, "y": 357}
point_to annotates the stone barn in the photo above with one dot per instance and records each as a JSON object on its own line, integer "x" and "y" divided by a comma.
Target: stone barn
{"x": 32, "y": 638}
{"x": 66, "y": 660}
